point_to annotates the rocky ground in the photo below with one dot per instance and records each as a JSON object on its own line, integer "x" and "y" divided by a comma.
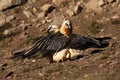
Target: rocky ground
{"x": 22, "y": 22}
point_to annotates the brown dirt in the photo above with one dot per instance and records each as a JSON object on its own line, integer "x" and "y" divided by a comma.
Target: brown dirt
{"x": 103, "y": 65}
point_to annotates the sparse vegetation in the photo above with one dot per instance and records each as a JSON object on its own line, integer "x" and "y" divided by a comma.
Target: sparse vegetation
{"x": 95, "y": 27}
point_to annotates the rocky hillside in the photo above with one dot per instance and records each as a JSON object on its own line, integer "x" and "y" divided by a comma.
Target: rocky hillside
{"x": 22, "y": 22}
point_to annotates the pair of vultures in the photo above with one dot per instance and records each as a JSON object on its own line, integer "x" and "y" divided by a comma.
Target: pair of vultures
{"x": 60, "y": 44}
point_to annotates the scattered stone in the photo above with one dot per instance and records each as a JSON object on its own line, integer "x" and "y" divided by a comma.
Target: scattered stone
{"x": 12, "y": 31}
{"x": 33, "y": 60}
{"x": 48, "y": 21}
{"x": 115, "y": 16}
{"x": 101, "y": 3}
{"x": 4, "y": 65}
{"x": 94, "y": 5}
{"x": 9, "y": 74}
{"x": 58, "y": 2}
{"x": 110, "y": 1}
{"x": 24, "y": 26}
{"x": 40, "y": 74}
{"x": 41, "y": 15}
{"x": 34, "y": 20}
{"x": 70, "y": 12}
{"x": 43, "y": 21}
{"x": 34, "y": 1}
{"x": 28, "y": 14}
{"x": 77, "y": 9}
{"x": 35, "y": 10}
{"x": 5, "y": 19}
{"x": 38, "y": 25}
{"x": 47, "y": 8}
{"x": 4, "y": 4}
{"x": 10, "y": 18}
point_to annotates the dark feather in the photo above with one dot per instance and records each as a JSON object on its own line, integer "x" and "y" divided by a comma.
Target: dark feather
{"x": 47, "y": 45}
{"x": 81, "y": 42}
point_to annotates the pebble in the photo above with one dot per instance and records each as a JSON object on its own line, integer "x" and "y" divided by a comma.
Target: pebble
{"x": 101, "y": 3}
{"x": 47, "y": 8}
{"x": 70, "y": 12}
{"x": 43, "y": 21}
{"x": 77, "y": 9}
{"x": 4, "y": 4}
{"x": 5, "y": 19}
{"x": 110, "y": 1}
{"x": 35, "y": 10}
{"x": 28, "y": 14}
{"x": 41, "y": 15}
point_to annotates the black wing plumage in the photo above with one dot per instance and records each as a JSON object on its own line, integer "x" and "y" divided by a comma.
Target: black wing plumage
{"x": 47, "y": 45}
{"x": 81, "y": 42}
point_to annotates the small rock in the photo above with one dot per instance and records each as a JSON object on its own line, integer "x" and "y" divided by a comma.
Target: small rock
{"x": 4, "y": 19}
{"x": 34, "y": 20}
{"x": 41, "y": 74}
{"x": 35, "y": 10}
{"x": 38, "y": 25}
{"x": 58, "y": 2}
{"x": 12, "y": 30}
{"x": 101, "y": 3}
{"x": 28, "y": 14}
{"x": 48, "y": 21}
{"x": 41, "y": 15}
{"x": 9, "y": 74}
{"x": 4, "y": 4}
{"x": 77, "y": 9}
{"x": 47, "y": 8}
{"x": 115, "y": 16}
{"x": 4, "y": 65}
{"x": 70, "y": 12}
{"x": 110, "y": 1}
{"x": 10, "y": 18}
{"x": 43, "y": 21}
{"x": 24, "y": 26}
{"x": 33, "y": 60}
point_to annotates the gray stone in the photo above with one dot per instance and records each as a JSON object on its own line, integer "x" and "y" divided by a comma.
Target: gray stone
{"x": 5, "y": 19}
{"x": 47, "y": 8}
{"x": 4, "y": 4}
{"x": 77, "y": 9}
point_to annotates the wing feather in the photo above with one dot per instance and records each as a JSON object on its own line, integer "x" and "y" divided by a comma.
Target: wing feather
{"x": 80, "y": 42}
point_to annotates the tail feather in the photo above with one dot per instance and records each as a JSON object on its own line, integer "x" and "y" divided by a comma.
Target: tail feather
{"x": 94, "y": 41}
{"x": 25, "y": 54}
